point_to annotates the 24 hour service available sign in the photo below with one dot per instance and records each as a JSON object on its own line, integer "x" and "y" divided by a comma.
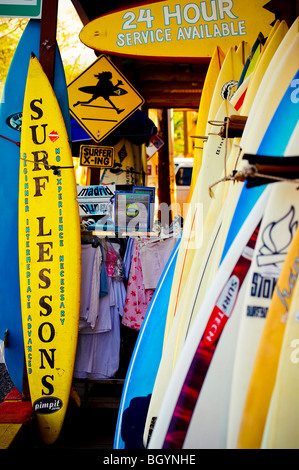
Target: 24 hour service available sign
{"x": 178, "y": 29}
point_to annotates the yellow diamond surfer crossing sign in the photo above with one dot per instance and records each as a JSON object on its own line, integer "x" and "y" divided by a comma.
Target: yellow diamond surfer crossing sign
{"x": 101, "y": 98}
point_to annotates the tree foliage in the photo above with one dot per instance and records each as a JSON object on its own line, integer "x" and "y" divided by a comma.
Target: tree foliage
{"x": 10, "y": 33}
{"x": 68, "y": 40}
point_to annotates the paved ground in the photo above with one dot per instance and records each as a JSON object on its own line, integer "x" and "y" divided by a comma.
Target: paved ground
{"x": 84, "y": 427}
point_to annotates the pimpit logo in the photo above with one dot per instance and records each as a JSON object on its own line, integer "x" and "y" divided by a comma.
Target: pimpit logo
{"x": 47, "y": 405}
{"x": 275, "y": 245}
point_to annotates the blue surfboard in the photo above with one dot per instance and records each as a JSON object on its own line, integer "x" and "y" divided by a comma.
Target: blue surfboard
{"x": 10, "y": 126}
{"x": 283, "y": 123}
{"x": 144, "y": 364}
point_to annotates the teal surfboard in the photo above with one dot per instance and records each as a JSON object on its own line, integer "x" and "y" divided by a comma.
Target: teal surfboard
{"x": 10, "y": 126}
{"x": 144, "y": 365}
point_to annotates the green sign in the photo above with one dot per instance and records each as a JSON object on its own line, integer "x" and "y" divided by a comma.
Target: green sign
{"x": 21, "y": 8}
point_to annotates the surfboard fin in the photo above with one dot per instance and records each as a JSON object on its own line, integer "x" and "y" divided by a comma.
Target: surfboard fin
{"x": 5, "y": 340}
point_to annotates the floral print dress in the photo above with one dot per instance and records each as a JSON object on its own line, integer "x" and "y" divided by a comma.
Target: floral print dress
{"x": 138, "y": 298}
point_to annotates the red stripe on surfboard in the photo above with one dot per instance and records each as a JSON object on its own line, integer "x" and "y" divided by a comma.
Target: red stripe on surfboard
{"x": 202, "y": 358}
{"x": 240, "y": 100}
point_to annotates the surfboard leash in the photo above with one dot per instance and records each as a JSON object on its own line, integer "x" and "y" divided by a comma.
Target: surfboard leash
{"x": 55, "y": 168}
{"x": 10, "y": 140}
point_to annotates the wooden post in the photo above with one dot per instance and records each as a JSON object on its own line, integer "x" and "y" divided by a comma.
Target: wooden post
{"x": 163, "y": 165}
{"x": 95, "y": 176}
{"x": 48, "y": 37}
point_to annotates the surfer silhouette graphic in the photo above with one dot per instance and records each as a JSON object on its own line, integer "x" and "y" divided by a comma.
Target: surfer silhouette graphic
{"x": 103, "y": 89}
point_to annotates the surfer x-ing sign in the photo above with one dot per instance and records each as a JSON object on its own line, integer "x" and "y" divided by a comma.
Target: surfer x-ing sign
{"x": 101, "y": 98}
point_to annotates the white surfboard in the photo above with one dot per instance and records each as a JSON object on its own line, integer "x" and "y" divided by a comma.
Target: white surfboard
{"x": 185, "y": 359}
{"x": 212, "y": 167}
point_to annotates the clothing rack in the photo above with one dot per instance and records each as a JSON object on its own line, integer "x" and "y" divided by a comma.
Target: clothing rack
{"x": 89, "y": 384}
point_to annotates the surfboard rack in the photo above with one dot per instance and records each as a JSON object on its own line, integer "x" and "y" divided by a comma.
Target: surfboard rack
{"x": 268, "y": 169}
{"x": 230, "y": 127}
{"x": 233, "y": 126}
{"x": 262, "y": 170}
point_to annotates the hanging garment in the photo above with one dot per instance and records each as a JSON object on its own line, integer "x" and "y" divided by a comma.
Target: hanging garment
{"x": 91, "y": 260}
{"x": 114, "y": 264}
{"x": 98, "y": 349}
{"x": 103, "y": 276}
{"x": 138, "y": 298}
{"x": 128, "y": 257}
{"x": 154, "y": 256}
{"x": 98, "y": 346}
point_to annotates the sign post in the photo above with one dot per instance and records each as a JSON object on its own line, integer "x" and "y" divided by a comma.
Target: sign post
{"x": 48, "y": 38}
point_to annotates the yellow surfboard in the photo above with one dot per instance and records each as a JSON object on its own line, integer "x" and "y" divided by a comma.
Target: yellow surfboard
{"x": 49, "y": 253}
{"x": 205, "y": 103}
{"x": 226, "y": 84}
{"x": 243, "y": 51}
{"x": 203, "y": 110}
{"x": 283, "y": 430}
{"x": 164, "y": 29}
{"x": 254, "y": 60}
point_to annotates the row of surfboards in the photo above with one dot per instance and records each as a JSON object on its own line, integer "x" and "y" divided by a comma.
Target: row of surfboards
{"x": 185, "y": 342}
{"x": 215, "y": 362}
